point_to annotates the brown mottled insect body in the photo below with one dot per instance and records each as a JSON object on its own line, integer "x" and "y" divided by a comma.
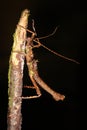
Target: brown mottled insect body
{"x": 33, "y": 70}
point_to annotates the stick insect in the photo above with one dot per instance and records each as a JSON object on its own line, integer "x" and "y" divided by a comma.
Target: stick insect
{"x": 33, "y": 69}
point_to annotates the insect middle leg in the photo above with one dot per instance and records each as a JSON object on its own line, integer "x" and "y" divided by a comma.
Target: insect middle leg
{"x": 33, "y": 87}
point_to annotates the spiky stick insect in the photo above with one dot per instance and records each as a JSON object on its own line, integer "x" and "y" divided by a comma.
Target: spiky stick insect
{"x": 33, "y": 70}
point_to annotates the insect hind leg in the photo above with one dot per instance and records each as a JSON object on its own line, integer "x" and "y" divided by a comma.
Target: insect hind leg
{"x": 33, "y": 87}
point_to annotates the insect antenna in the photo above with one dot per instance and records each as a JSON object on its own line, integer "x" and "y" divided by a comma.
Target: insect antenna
{"x": 40, "y": 44}
{"x": 56, "y": 53}
{"x": 49, "y": 34}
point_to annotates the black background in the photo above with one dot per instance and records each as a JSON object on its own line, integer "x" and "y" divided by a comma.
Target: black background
{"x": 61, "y": 75}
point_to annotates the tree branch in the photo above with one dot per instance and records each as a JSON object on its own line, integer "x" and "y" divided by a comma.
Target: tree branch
{"x": 15, "y": 74}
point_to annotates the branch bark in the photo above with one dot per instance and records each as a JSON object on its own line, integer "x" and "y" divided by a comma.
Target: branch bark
{"x": 15, "y": 74}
